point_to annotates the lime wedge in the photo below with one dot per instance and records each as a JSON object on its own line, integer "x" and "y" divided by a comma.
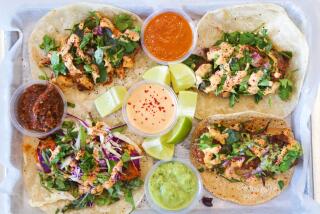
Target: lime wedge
{"x": 156, "y": 149}
{"x": 158, "y": 73}
{"x": 110, "y": 101}
{"x": 187, "y": 103}
{"x": 179, "y": 132}
{"x": 182, "y": 77}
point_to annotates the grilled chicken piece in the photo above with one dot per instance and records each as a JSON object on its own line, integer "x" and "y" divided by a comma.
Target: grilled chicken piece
{"x": 67, "y": 59}
{"x": 132, "y": 35}
{"x": 105, "y": 22}
{"x": 95, "y": 72}
{"x": 113, "y": 178}
{"x": 44, "y": 62}
{"x": 130, "y": 173}
{"x": 120, "y": 72}
{"x": 63, "y": 81}
{"x": 127, "y": 62}
{"x": 84, "y": 83}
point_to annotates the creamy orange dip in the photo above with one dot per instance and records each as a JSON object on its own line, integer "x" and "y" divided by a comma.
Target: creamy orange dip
{"x": 151, "y": 108}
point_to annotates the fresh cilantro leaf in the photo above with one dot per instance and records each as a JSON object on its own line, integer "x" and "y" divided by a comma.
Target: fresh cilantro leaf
{"x": 78, "y": 60}
{"x": 201, "y": 169}
{"x": 87, "y": 69}
{"x": 232, "y": 180}
{"x": 129, "y": 46}
{"x": 194, "y": 61}
{"x": 58, "y": 66}
{"x": 92, "y": 20}
{"x": 135, "y": 183}
{"x": 129, "y": 198}
{"x": 44, "y": 76}
{"x": 270, "y": 102}
{"x": 82, "y": 202}
{"x": 244, "y": 85}
{"x": 48, "y": 44}
{"x": 87, "y": 163}
{"x": 258, "y": 96}
{"x": 125, "y": 157}
{"x": 123, "y": 21}
{"x": 286, "y": 54}
{"x": 232, "y": 38}
{"x": 205, "y": 141}
{"x": 85, "y": 40}
{"x": 280, "y": 184}
{"x": 71, "y": 105}
{"x": 233, "y": 98}
{"x": 234, "y": 65}
{"x": 263, "y": 83}
{"x": 285, "y": 89}
{"x": 289, "y": 159}
{"x": 103, "y": 74}
{"x": 247, "y": 38}
{"x": 82, "y": 136}
{"x": 220, "y": 86}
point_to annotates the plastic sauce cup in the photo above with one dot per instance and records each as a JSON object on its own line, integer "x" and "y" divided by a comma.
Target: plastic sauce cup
{"x": 193, "y": 29}
{"x": 195, "y": 199}
{"x": 136, "y": 129}
{"x": 14, "y": 114}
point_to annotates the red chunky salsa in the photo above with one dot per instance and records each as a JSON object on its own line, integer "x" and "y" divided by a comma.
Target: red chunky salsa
{"x": 40, "y": 107}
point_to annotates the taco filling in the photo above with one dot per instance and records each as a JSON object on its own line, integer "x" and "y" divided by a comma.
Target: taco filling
{"x": 95, "y": 50}
{"x": 243, "y": 63}
{"x": 238, "y": 154}
{"x": 93, "y": 165}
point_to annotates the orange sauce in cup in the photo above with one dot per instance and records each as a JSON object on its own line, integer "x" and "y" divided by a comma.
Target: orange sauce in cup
{"x": 168, "y": 36}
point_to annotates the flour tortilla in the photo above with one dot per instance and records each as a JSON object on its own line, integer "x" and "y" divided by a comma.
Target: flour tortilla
{"x": 50, "y": 201}
{"x": 55, "y": 24}
{"x": 284, "y": 35}
{"x": 252, "y": 192}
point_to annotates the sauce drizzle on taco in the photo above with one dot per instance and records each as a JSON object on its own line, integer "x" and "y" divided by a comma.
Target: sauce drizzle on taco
{"x": 238, "y": 154}
{"x": 93, "y": 165}
{"x": 243, "y": 63}
{"x": 96, "y": 49}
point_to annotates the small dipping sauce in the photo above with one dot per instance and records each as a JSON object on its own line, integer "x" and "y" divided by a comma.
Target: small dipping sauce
{"x": 173, "y": 186}
{"x": 150, "y": 108}
{"x": 168, "y": 36}
{"x": 37, "y": 109}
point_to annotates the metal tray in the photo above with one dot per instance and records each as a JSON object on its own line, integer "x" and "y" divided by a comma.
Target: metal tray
{"x": 18, "y": 21}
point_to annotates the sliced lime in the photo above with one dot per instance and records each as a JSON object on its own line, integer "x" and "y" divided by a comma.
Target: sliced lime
{"x": 110, "y": 101}
{"x": 156, "y": 149}
{"x": 158, "y": 73}
{"x": 182, "y": 77}
{"x": 179, "y": 132}
{"x": 187, "y": 103}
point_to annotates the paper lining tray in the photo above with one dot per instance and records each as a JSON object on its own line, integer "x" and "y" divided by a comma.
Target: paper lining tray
{"x": 15, "y": 68}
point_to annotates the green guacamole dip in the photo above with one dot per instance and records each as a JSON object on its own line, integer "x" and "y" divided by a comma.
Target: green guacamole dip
{"x": 173, "y": 185}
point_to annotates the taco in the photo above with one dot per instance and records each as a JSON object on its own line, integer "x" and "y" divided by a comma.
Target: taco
{"x": 84, "y": 168}
{"x": 250, "y": 58}
{"x": 246, "y": 158}
{"x": 86, "y": 48}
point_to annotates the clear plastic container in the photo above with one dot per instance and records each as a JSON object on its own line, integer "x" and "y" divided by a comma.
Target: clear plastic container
{"x": 13, "y": 110}
{"x": 135, "y": 129}
{"x": 192, "y": 204}
{"x": 194, "y": 35}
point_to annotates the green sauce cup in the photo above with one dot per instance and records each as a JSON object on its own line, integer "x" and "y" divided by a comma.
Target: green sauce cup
{"x": 173, "y": 186}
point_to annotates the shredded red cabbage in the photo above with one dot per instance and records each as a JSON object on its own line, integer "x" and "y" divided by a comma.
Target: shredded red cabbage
{"x": 136, "y": 162}
{"x": 97, "y": 31}
{"x": 44, "y": 166}
{"x": 84, "y": 123}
